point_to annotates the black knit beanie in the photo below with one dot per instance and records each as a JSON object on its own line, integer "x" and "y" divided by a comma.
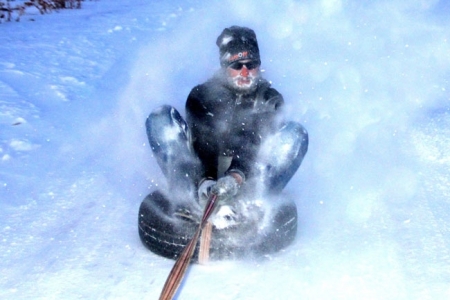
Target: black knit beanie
{"x": 237, "y": 43}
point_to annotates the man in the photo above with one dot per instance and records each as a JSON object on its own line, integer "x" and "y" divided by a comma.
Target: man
{"x": 235, "y": 144}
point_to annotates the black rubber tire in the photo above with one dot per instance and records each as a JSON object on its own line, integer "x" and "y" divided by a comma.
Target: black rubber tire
{"x": 166, "y": 234}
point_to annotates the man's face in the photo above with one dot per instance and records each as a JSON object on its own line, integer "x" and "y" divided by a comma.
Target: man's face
{"x": 243, "y": 75}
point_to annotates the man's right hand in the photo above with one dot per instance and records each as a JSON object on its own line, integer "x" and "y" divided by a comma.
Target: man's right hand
{"x": 204, "y": 191}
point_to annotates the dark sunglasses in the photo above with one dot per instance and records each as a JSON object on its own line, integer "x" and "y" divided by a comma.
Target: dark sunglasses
{"x": 249, "y": 65}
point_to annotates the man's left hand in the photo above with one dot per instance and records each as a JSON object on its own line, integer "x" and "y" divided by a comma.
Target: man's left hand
{"x": 227, "y": 186}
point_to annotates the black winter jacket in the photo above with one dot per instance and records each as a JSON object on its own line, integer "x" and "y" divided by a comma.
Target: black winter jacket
{"x": 224, "y": 123}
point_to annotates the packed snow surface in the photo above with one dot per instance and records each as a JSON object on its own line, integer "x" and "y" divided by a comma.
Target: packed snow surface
{"x": 368, "y": 79}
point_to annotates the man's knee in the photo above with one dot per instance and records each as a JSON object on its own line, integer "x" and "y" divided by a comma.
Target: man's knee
{"x": 161, "y": 116}
{"x": 166, "y": 123}
{"x": 296, "y": 134}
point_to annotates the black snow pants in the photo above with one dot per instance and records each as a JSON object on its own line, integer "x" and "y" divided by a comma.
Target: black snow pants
{"x": 279, "y": 156}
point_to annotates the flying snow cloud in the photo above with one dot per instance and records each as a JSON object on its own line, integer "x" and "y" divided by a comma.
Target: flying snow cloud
{"x": 357, "y": 75}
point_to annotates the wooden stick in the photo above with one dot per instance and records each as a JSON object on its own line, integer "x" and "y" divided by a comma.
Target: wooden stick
{"x": 176, "y": 275}
{"x": 179, "y": 269}
{"x": 205, "y": 243}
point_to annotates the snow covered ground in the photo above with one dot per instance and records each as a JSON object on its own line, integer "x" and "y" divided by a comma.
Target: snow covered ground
{"x": 368, "y": 79}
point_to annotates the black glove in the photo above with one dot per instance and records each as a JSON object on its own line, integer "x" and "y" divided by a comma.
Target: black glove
{"x": 228, "y": 186}
{"x": 225, "y": 188}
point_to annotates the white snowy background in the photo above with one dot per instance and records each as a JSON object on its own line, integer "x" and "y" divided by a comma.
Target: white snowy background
{"x": 368, "y": 79}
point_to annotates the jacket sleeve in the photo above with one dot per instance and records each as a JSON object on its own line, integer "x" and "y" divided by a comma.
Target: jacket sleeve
{"x": 269, "y": 103}
{"x": 263, "y": 121}
{"x": 200, "y": 120}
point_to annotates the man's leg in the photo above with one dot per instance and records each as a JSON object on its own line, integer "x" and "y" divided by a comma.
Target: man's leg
{"x": 169, "y": 138}
{"x": 268, "y": 227}
{"x": 280, "y": 156}
{"x": 168, "y": 219}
